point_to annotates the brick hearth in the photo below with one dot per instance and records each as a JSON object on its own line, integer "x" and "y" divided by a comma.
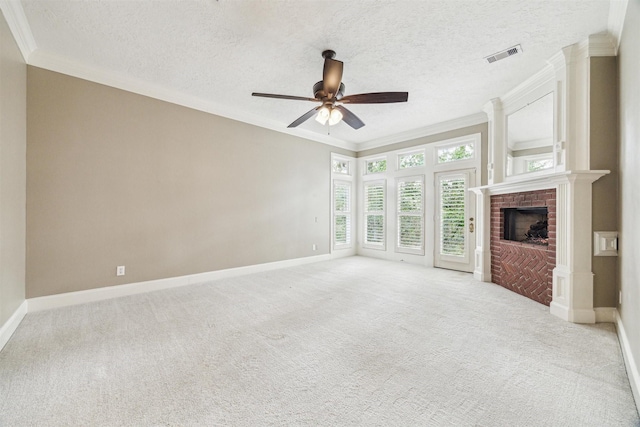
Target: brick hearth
{"x": 524, "y": 268}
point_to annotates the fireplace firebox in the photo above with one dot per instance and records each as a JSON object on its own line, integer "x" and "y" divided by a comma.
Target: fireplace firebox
{"x": 526, "y": 224}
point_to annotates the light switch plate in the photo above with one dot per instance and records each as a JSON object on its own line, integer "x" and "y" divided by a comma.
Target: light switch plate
{"x": 605, "y": 243}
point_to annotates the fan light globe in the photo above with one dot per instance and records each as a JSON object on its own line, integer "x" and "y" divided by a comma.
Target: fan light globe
{"x": 335, "y": 117}
{"x": 323, "y": 115}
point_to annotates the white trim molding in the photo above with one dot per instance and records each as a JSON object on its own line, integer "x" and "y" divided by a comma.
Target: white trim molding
{"x": 459, "y": 123}
{"x": 10, "y": 326}
{"x": 19, "y": 26}
{"x": 99, "y": 294}
{"x": 629, "y": 360}
{"x": 605, "y": 314}
{"x": 617, "y": 12}
{"x": 63, "y": 65}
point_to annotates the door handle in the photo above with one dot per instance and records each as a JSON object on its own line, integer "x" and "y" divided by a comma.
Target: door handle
{"x": 471, "y": 226}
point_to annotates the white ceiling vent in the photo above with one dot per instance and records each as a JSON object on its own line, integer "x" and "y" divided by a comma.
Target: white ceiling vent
{"x": 504, "y": 54}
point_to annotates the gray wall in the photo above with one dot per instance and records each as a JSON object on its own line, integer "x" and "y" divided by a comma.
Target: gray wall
{"x": 603, "y": 100}
{"x": 13, "y": 110}
{"x": 115, "y": 178}
{"x": 629, "y": 256}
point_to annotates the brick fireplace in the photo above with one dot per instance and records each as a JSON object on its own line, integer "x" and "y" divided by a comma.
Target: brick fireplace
{"x": 524, "y": 267}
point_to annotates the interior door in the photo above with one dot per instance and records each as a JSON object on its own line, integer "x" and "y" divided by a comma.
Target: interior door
{"x": 455, "y": 222}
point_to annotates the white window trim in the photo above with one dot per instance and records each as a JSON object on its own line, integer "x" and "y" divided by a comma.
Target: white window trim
{"x": 377, "y": 246}
{"x": 473, "y": 139}
{"x": 398, "y": 248}
{"x": 349, "y": 160}
{"x": 348, "y": 214}
{"x": 409, "y": 153}
{"x": 347, "y": 178}
{"x": 365, "y": 170}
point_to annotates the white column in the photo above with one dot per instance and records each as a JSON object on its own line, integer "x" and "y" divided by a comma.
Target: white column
{"x": 497, "y": 155}
{"x": 482, "y": 265}
{"x": 572, "y": 277}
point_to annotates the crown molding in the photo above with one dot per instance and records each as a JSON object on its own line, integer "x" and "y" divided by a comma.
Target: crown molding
{"x": 529, "y": 90}
{"x": 461, "y": 122}
{"x": 19, "y": 26}
{"x": 617, "y": 13}
{"x": 59, "y": 64}
{"x": 601, "y": 44}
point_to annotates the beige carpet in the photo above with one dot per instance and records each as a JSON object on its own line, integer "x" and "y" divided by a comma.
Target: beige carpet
{"x": 354, "y": 341}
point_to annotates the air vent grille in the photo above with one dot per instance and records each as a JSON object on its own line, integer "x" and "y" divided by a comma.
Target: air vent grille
{"x": 504, "y": 54}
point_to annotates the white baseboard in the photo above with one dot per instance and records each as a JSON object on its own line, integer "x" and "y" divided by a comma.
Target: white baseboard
{"x": 605, "y": 314}
{"x": 629, "y": 360}
{"x": 91, "y": 295}
{"x": 572, "y": 315}
{"x": 12, "y": 323}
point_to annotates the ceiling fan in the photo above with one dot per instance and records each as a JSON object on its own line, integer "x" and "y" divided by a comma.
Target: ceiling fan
{"x": 330, "y": 93}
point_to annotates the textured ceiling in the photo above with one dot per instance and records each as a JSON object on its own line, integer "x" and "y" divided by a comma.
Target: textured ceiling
{"x": 221, "y": 51}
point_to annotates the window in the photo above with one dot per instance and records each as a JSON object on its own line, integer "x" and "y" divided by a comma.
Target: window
{"x": 341, "y": 214}
{"x": 340, "y": 166}
{"x": 539, "y": 164}
{"x": 411, "y": 215}
{"x": 453, "y": 153}
{"x": 374, "y": 196}
{"x": 410, "y": 160}
{"x": 452, "y": 215}
{"x": 376, "y": 166}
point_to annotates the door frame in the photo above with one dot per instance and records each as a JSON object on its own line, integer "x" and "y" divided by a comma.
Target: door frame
{"x": 465, "y": 262}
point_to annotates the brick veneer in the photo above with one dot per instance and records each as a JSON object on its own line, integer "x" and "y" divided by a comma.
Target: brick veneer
{"x": 524, "y": 268}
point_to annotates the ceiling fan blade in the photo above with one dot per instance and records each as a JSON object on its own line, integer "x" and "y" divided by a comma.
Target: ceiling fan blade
{"x": 295, "y": 98}
{"x": 332, "y": 76}
{"x": 349, "y": 118}
{"x": 303, "y": 118}
{"x": 376, "y": 98}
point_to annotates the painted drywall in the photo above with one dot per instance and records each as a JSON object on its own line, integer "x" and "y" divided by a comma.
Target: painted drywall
{"x": 603, "y": 140}
{"x": 13, "y": 110}
{"x": 629, "y": 107}
{"x": 482, "y": 129}
{"x": 115, "y": 178}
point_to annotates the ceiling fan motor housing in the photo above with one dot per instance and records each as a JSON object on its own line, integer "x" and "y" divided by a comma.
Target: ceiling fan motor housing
{"x": 318, "y": 91}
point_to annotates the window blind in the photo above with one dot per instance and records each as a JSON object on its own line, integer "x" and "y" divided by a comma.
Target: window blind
{"x": 374, "y": 213}
{"x": 410, "y": 214}
{"x": 342, "y": 213}
{"x": 452, "y": 216}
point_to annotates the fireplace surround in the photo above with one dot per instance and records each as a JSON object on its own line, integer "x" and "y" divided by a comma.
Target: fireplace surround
{"x": 571, "y": 177}
{"x": 570, "y": 230}
{"x": 518, "y": 262}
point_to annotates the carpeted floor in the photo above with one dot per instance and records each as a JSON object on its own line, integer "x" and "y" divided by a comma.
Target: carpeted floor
{"x": 354, "y": 341}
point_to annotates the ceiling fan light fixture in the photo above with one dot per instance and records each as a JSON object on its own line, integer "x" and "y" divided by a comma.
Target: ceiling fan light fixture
{"x": 323, "y": 115}
{"x": 329, "y": 92}
{"x": 335, "y": 117}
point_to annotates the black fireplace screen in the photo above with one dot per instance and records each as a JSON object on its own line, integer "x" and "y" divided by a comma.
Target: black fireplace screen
{"x": 526, "y": 224}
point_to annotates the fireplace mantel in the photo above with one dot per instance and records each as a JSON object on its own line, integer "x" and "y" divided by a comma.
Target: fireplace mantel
{"x": 572, "y": 296}
{"x": 533, "y": 181}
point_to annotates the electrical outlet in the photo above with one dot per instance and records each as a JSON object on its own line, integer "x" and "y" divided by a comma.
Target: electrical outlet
{"x": 120, "y": 270}
{"x": 314, "y": 247}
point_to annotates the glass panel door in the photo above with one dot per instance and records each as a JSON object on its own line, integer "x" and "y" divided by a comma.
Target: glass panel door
{"x": 455, "y": 224}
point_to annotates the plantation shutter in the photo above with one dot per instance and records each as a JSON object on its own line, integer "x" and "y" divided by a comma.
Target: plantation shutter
{"x": 374, "y": 194}
{"x": 411, "y": 215}
{"x": 342, "y": 213}
{"x": 452, "y": 214}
